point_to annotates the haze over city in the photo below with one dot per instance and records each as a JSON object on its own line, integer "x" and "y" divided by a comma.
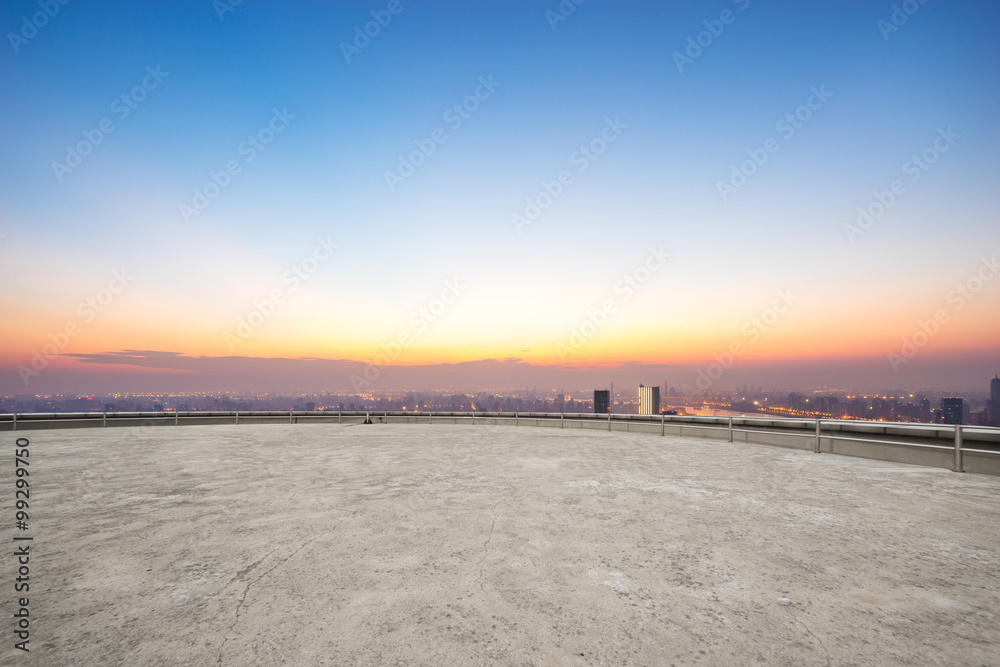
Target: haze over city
{"x": 271, "y": 197}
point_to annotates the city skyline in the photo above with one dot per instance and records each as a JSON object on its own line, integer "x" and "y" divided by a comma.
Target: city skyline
{"x": 341, "y": 198}
{"x": 980, "y": 408}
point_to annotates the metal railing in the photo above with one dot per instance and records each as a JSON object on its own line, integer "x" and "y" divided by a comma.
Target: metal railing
{"x": 877, "y": 438}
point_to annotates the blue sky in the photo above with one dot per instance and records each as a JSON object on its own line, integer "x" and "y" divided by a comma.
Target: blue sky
{"x": 656, "y": 184}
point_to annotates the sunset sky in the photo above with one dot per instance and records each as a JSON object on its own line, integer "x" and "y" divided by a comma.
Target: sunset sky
{"x": 199, "y": 196}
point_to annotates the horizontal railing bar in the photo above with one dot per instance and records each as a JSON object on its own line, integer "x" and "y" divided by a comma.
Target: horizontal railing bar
{"x": 840, "y": 437}
{"x": 623, "y": 421}
{"x": 947, "y": 448}
{"x": 503, "y": 414}
{"x": 806, "y": 424}
{"x": 796, "y": 427}
{"x": 966, "y": 450}
{"x": 889, "y": 442}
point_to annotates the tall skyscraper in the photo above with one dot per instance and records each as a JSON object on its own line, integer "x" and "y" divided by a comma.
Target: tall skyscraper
{"x": 602, "y": 401}
{"x": 649, "y": 400}
{"x": 951, "y": 410}
{"x": 993, "y": 405}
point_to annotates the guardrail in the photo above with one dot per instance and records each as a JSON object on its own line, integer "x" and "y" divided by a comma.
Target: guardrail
{"x": 959, "y": 448}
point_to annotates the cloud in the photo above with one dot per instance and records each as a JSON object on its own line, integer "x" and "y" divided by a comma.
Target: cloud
{"x": 167, "y": 371}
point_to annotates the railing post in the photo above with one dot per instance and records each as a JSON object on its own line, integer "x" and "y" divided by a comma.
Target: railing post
{"x": 473, "y": 417}
{"x": 430, "y": 416}
{"x": 663, "y": 423}
{"x": 609, "y": 420}
{"x": 515, "y": 417}
{"x": 237, "y": 416}
{"x": 816, "y": 449}
{"x": 340, "y": 417}
{"x": 177, "y": 417}
{"x": 15, "y": 422}
{"x": 562, "y": 422}
{"x": 291, "y": 420}
{"x": 104, "y": 419}
{"x": 730, "y": 428}
{"x": 958, "y": 448}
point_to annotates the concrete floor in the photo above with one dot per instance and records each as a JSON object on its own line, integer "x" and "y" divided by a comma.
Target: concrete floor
{"x": 461, "y": 545}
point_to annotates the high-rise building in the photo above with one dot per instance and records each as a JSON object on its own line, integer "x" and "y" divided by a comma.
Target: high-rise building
{"x": 952, "y": 410}
{"x": 925, "y": 409}
{"x": 649, "y": 400}
{"x": 993, "y": 405}
{"x": 561, "y": 402}
{"x": 602, "y": 401}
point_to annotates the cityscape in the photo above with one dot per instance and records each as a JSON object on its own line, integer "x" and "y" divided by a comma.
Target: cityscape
{"x": 976, "y": 408}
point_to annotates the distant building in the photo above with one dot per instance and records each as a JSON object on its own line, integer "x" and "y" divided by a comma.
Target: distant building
{"x": 952, "y": 410}
{"x": 561, "y": 402}
{"x": 993, "y": 405}
{"x": 649, "y": 400}
{"x": 925, "y": 409}
{"x": 602, "y": 401}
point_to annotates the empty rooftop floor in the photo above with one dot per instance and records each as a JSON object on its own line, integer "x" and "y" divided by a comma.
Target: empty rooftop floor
{"x": 457, "y": 544}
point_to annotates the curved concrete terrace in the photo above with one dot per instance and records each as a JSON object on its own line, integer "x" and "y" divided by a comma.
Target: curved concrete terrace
{"x": 391, "y": 544}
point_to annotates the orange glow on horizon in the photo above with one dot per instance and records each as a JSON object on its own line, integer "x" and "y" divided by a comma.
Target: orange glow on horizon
{"x": 190, "y": 334}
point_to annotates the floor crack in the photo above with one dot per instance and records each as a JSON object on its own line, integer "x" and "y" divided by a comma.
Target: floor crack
{"x": 246, "y": 589}
{"x": 486, "y": 545}
{"x": 805, "y": 627}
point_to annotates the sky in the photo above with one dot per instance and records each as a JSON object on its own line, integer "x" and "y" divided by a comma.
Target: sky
{"x": 272, "y": 196}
